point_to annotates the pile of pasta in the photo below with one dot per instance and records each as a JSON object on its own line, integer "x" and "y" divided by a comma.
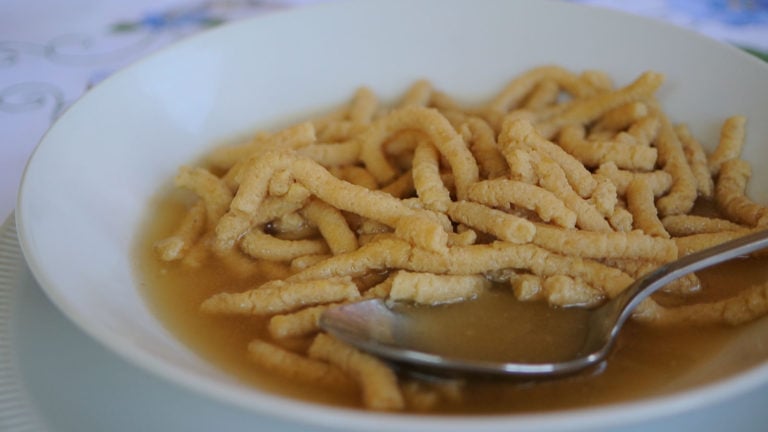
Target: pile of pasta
{"x": 563, "y": 187}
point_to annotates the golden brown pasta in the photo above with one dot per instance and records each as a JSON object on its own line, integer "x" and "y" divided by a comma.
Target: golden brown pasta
{"x": 426, "y": 178}
{"x": 696, "y": 242}
{"x": 642, "y": 133}
{"x": 212, "y": 191}
{"x": 621, "y": 219}
{"x": 432, "y": 289}
{"x": 747, "y": 305}
{"x": 279, "y": 296}
{"x": 332, "y": 225}
{"x": 363, "y": 106}
{"x": 380, "y": 290}
{"x": 483, "y": 258}
{"x": 520, "y": 162}
{"x": 731, "y": 198}
{"x": 562, "y": 290}
{"x": 545, "y": 93}
{"x": 644, "y": 215}
{"x": 731, "y": 142}
{"x": 401, "y": 187}
{"x": 527, "y": 287}
{"x": 593, "y": 153}
{"x": 184, "y": 237}
{"x": 590, "y": 244}
{"x": 514, "y": 93}
{"x": 356, "y": 175}
{"x": 697, "y": 159}
{"x": 377, "y": 381}
{"x": 260, "y": 245}
{"x": 330, "y": 155}
{"x": 337, "y": 131}
{"x": 417, "y": 95}
{"x": 605, "y": 196}
{"x": 195, "y": 256}
{"x": 503, "y": 193}
{"x": 297, "y": 324}
{"x": 552, "y": 178}
{"x": 505, "y": 226}
{"x": 482, "y": 143}
{"x": 636, "y": 268}
{"x": 683, "y": 191}
{"x": 291, "y": 226}
{"x": 342, "y": 195}
{"x": 621, "y": 117}
{"x": 557, "y": 290}
{"x": 586, "y": 110}
{"x": 298, "y": 367}
{"x": 659, "y": 181}
{"x": 440, "y": 133}
{"x": 685, "y": 225}
{"x": 521, "y": 133}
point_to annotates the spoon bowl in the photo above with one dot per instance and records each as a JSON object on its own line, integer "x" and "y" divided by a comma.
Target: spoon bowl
{"x": 404, "y": 334}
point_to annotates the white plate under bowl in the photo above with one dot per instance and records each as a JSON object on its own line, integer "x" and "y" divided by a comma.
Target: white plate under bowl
{"x": 88, "y": 185}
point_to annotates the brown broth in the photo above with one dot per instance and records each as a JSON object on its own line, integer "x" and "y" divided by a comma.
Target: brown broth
{"x": 647, "y": 361}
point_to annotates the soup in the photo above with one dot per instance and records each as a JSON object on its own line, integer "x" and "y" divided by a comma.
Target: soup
{"x": 648, "y": 361}
{"x": 510, "y": 218}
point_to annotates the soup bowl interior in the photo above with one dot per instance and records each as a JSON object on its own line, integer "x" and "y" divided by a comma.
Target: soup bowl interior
{"x": 89, "y": 186}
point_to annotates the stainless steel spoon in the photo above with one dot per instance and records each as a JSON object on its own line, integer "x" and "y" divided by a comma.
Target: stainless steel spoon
{"x": 385, "y": 330}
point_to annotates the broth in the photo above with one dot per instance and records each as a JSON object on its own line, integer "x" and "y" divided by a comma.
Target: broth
{"x": 647, "y": 361}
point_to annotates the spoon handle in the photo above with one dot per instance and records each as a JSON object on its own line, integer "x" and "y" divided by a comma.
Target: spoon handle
{"x": 650, "y": 283}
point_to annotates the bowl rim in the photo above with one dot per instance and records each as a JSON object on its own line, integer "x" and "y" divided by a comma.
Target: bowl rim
{"x": 283, "y": 407}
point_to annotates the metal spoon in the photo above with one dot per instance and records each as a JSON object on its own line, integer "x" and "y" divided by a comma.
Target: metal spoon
{"x": 383, "y": 330}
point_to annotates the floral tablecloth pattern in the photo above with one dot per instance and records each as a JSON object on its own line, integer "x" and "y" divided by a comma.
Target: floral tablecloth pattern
{"x": 51, "y": 51}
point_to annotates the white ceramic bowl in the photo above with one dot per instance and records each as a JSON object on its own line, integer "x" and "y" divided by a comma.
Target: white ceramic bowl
{"x": 88, "y": 184}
